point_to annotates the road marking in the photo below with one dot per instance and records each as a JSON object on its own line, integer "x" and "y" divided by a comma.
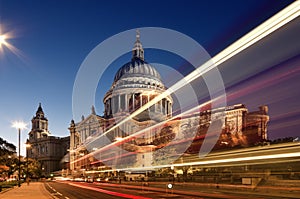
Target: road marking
{"x": 56, "y": 192}
{"x": 123, "y": 195}
{"x": 59, "y": 193}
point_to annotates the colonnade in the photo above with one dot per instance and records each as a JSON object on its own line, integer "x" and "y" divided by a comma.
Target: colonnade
{"x": 133, "y": 101}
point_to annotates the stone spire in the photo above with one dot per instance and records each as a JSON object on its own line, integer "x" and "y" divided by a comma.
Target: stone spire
{"x": 93, "y": 110}
{"x": 40, "y": 112}
{"x": 138, "y": 51}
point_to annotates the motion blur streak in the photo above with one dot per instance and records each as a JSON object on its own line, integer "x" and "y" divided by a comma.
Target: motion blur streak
{"x": 123, "y": 195}
{"x": 262, "y": 157}
{"x": 259, "y": 85}
{"x": 245, "y": 155}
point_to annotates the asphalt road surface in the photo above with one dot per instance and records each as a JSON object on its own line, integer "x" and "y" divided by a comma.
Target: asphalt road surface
{"x": 82, "y": 190}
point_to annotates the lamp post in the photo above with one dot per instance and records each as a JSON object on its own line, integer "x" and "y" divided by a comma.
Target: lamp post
{"x": 27, "y": 173}
{"x": 19, "y": 125}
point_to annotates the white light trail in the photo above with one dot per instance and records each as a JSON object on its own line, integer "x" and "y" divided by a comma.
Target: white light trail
{"x": 209, "y": 162}
{"x": 230, "y": 160}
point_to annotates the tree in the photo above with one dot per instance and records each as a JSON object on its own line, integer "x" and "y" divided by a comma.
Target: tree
{"x": 8, "y": 160}
{"x": 6, "y": 148}
{"x": 34, "y": 168}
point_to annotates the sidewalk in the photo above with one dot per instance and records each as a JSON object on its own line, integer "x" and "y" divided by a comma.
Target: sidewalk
{"x": 35, "y": 190}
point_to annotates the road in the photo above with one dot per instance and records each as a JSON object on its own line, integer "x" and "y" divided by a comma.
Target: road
{"x": 66, "y": 191}
{"x": 74, "y": 190}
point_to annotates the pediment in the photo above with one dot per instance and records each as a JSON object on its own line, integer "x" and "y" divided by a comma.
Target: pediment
{"x": 92, "y": 118}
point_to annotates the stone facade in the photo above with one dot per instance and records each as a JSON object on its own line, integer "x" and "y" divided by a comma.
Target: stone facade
{"x": 240, "y": 127}
{"x": 48, "y": 150}
{"x": 80, "y": 135}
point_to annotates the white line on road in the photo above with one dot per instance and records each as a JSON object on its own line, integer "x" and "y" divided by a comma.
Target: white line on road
{"x": 59, "y": 193}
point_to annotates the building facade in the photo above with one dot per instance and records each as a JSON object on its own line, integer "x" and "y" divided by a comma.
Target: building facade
{"x": 81, "y": 133}
{"x": 48, "y": 150}
{"x": 126, "y": 136}
{"x": 240, "y": 127}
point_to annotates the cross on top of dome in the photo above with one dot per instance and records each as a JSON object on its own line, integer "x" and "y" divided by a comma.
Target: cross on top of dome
{"x": 138, "y": 51}
{"x": 137, "y": 34}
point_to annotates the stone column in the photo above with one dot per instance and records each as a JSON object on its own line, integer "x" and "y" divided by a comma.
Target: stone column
{"x": 105, "y": 108}
{"x": 109, "y": 106}
{"x": 119, "y": 103}
{"x": 166, "y": 106}
{"x": 116, "y": 104}
{"x": 126, "y": 103}
{"x": 161, "y": 108}
{"x": 112, "y": 104}
{"x": 166, "y": 111}
{"x": 146, "y": 99}
{"x": 72, "y": 130}
{"x": 133, "y": 101}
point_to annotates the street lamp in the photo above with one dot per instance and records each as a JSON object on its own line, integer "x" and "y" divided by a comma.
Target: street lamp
{"x": 27, "y": 173}
{"x": 19, "y": 125}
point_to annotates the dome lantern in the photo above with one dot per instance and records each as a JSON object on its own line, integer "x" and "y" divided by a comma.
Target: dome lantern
{"x": 138, "y": 51}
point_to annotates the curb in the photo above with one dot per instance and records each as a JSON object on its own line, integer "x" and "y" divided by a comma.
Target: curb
{"x": 6, "y": 190}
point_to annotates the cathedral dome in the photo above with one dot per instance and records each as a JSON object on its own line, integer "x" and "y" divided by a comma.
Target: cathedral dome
{"x": 137, "y": 73}
{"x": 134, "y": 85}
{"x": 137, "y": 67}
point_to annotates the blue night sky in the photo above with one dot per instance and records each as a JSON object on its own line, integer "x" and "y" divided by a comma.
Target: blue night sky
{"x": 54, "y": 37}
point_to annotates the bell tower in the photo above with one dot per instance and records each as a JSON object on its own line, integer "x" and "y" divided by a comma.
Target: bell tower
{"x": 39, "y": 125}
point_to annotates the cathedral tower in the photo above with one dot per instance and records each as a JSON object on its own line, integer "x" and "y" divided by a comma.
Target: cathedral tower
{"x": 39, "y": 125}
